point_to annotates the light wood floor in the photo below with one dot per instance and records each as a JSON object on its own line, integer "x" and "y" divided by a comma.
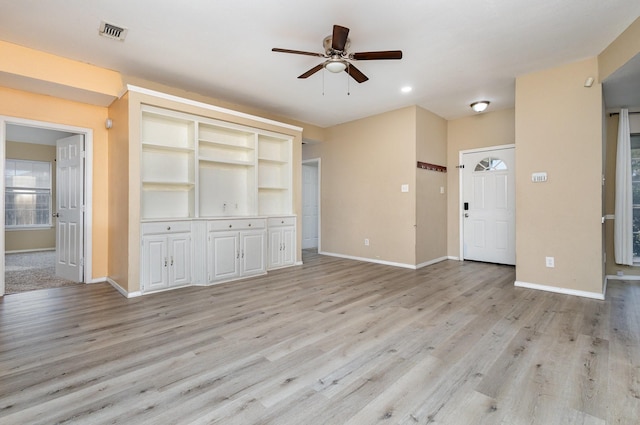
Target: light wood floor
{"x": 331, "y": 342}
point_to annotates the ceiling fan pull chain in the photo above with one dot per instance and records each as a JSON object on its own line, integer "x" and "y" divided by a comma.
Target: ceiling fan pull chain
{"x": 349, "y": 80}
{"x": 323, "y": 82}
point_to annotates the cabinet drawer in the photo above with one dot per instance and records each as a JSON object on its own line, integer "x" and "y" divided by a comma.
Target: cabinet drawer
{"x": 237, "y": 224}
{"x": 281, "y": 221}
{"x": 166, "y": 227}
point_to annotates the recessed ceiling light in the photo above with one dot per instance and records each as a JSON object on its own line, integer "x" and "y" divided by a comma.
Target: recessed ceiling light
{"x": 406, "y": 89}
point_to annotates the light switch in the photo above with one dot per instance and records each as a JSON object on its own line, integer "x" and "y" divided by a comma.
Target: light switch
{"x": 404, "y": 188}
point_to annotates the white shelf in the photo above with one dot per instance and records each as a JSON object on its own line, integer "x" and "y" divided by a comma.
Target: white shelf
{"x": 228, "y": 162}
{"x": 224, "y": 145}
{"x": 166, "y": 186}
{"x": 273, "y": 161}
{"x": 156, "y": 147}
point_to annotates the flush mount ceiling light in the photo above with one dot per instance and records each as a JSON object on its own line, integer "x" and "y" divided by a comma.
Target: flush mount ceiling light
{"x": 406, "y": 89}
{"x": 480, "y": 105}
{"x": 335, "y": 65}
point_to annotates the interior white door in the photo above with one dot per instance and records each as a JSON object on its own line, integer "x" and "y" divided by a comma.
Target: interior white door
{"x": 488, "y": 209}
{"x": 69, "y": 207}
{"x": 309, "y": 206}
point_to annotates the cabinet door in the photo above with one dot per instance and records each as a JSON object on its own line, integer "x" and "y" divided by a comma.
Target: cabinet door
{"x": 224, "y": 255}
{"x": 288, "y": 246}
{"x": 155, "y": 263}
{"x": 252, "y": 256}
{"x": 180, "y": 260}
{"x": 275, "y": 248}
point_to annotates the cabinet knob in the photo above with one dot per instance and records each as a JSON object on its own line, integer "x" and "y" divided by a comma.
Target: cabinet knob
{"x": 282, "y": 222}
{"x": 168, "y": 227}
{"x": 249, "y": 224}
{"x": 230, "y": 226}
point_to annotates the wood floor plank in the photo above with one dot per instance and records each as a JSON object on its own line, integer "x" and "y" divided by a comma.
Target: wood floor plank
{"x": 333, "y": 341}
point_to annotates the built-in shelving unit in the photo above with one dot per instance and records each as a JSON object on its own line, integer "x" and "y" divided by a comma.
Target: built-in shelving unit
{"x": 274, "y": 171}
{"x": 167, "y": 172}
{"x": 199, "y": 167}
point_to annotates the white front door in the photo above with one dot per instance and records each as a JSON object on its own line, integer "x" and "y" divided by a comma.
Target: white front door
{"x": 69, "y": 207}
{"x": 309, "y": 206}
{"x": 488, "y": 206}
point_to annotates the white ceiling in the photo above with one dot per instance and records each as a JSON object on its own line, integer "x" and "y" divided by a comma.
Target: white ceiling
{"x": 455, "y": 51}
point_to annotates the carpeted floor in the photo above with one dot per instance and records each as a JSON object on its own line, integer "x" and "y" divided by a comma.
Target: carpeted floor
{"x": 30, "y": 271}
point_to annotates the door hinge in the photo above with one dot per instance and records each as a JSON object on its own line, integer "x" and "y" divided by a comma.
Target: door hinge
{"x": 82, "y": 262}
{"x": 83, "y": 154}
{"x": 83, "y": 208}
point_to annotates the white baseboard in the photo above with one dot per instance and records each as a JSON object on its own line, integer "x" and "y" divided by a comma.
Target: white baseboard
{"x": 122, "y": 290}
{"x": 386, "y": 263}
{"x": 431, "y": 262}
{"x": 624, "y": 277}
{"x": 453, "y": 258}
{"x": 97, "y": 280}
{"x": 24, "y": 251}
{"x": 565, "y": 291}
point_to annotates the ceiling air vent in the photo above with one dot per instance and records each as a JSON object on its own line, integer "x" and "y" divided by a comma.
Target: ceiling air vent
{"x": 112, "y": 31}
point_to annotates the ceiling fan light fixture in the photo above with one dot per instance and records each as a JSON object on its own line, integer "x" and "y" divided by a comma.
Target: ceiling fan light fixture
{"x": 335, "y": 65}
{"x": 480, "y": 106}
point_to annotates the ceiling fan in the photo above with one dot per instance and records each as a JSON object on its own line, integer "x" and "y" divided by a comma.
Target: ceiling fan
{"x": 337, "y": 57}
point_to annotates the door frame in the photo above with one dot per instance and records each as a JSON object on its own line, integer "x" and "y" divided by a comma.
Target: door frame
{"x": 317, "y": 161}
{"x": 87, "y": 238}
{"x": 461, "y": 189}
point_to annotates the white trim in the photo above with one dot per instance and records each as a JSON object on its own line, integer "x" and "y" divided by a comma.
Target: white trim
{"x": 461, "y": 191}
{"x": 431, "y": 262}
{"x": 20, "y": 251}
{"x": 451, "y": 257}
{"x": 97, "y": 280}
{"x": 369, "y": 260}
{"x": 319, "y": 201}
{"x": 298, "y": 263}
{"x": 207, "y": 106}
{"x": 122, "y": 290}
{"x": 565, "y": 291}
{"x": 88, "y": 184}
{"x": 623, "y": 277}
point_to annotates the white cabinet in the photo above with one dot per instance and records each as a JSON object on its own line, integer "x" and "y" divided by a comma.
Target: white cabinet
{"x": 282, "y": 239}
{"x": 236, "y": 248}
{"x": 166, "y": 255}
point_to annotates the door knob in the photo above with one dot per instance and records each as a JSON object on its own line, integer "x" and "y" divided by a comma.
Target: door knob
{"x": 55, "y": 215}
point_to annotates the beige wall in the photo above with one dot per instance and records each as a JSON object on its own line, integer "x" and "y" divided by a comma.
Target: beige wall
{"x": 559, "y": 130}
{"x": 364, "y": 164}
{"x": 26, "y": 240}
{"x": 431, "y": 205}
{"x": 20, "y": 104}
{"x": 476, "y": 131}
{"x": 620, "y": 51}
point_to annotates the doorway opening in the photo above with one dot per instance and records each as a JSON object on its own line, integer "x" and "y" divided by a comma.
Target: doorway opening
{"x": 41, "y": 236}
{"x": 311, "y": 205}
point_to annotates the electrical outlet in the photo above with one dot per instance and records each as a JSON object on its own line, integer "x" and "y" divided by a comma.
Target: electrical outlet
{"x": 366, "y": 242}
{"x": 550, "y": 261}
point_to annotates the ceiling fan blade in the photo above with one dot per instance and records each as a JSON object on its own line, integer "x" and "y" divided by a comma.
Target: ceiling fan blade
{"x": 339, "y": 38}
{"x": 356, "y": 74}
{"x": 385, "y": 54}
{"x": 297, "y": 52}
{"x": 312, "y": 71}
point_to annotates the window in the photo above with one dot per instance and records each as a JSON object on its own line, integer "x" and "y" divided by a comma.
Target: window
{"x": 491, "y": 164}
{"x": 27, "y": 195}
{"x": 635, "y": 184}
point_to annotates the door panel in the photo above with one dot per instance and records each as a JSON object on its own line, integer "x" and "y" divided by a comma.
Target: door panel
{"x": 69, "y": 203}
{"x": 180, "y": 260}
{"x": 223, "y": 255}
{"x": 488, "y": 186}
{"x": 252, "y": 256}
